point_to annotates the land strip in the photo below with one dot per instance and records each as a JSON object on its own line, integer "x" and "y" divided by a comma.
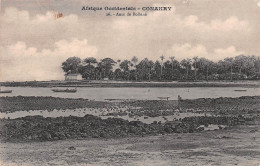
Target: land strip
{"x": 111, "y": 84}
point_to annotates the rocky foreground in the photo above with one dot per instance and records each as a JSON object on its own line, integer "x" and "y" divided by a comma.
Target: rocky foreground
{"x": 37, "y": 128}
{"x": 238, "y": 145}
{"x": 225, "y": 112}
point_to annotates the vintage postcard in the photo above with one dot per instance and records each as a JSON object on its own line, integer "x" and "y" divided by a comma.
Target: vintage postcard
{"x": 129, "y": 82}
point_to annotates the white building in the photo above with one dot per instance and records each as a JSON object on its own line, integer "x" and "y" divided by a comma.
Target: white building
{"x": 73, "y": 77}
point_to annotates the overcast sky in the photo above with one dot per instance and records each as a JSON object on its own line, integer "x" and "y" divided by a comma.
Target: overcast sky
{"x": 33, "y": 44}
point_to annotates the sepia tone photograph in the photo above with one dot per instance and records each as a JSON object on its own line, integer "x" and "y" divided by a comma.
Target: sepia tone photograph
{"x": 130, "y": 82}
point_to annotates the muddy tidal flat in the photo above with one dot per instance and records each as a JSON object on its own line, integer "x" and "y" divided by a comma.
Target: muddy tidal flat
{"x": 59, "y": 131}
{"x": 235, "y": 146}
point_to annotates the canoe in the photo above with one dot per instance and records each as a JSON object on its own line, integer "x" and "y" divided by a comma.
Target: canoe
{"x": 164, "y": 98}
{"x": 5, "y": 91}
{"x": 65, "y": 90}
{"x": 240, "y": 90}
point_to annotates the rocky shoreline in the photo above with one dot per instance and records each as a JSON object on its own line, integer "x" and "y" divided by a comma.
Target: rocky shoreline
{"x": 26, "y": 103}
{"x": 150, "y": 108}
{"x": 224, "y": 113}
{"x": 224, "y": 105}
{"x": 37, "y": 128}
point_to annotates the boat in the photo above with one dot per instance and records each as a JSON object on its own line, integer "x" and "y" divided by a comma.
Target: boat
{"x": 65, "y": 90}
{"x": 163, "y": 98}
{"x": 240, "y": 90}
{"x": 5, "y": 91}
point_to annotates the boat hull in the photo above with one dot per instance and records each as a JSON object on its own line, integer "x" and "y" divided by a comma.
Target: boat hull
{"x": 242, "y": 90}
{"x": 65, "y": 91}
{"x": 6, "y": 91}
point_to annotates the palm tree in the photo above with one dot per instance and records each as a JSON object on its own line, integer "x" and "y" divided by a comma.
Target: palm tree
{"x": 229, "y": 61}
{"x": 186, "y": 63}
{"x": 89, "y": 61}
{"x": 107, "y": 64}
{"x": 162, "y": 58}
{"x": 135, "y": 60}
{"x": 150, "y": 66}
{"x": 203, "y": 65}
{"x": 195, "y": 66}
{"x": 172, "y": 60}
{"x": 124, "y": 65}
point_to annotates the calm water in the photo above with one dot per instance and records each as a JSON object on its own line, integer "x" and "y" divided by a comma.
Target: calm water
{"x": 136, "y": 93}
{"x": 80, "y": 112}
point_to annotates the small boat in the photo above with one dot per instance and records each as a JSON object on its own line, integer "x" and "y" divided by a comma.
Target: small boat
{"x": 163, "y": 98}
{"x": 240, "y": 90}
{"x": 5, "y": 91}
{"x": 65, "y": 90}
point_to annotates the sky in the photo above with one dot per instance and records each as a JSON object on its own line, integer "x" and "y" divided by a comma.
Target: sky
{"x": 33, "y": 44}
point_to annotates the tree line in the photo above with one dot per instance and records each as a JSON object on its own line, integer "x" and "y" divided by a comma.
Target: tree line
{"x": 241, "y": 67}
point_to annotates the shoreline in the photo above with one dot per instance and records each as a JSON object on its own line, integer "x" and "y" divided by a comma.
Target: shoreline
{"x": 92, "y": 140}
{"x": 11, "y": 104}
{"x": 38, "y": 128}
{"x": 118, "y": 84}
{"x": 222, "y": 113}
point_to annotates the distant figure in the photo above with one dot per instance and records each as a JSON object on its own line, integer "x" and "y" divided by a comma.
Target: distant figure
{"x": 179, "y": 98}
{"x": 179, "y": 101}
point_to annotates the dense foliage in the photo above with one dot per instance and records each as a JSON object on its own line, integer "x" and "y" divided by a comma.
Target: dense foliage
{"x": 238, "y": 68}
